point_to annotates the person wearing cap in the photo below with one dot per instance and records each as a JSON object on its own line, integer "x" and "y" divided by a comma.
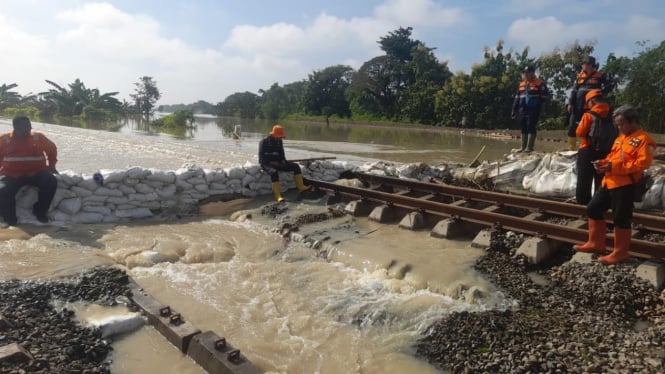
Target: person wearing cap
{"x": 531, "y": 94}
{"x": 588, "y": 79}
{"x": 273, "y": 160}
{"x": 631, "y": 154}
{"x": 587, "y": 178}
{"x": 26, "y": 158}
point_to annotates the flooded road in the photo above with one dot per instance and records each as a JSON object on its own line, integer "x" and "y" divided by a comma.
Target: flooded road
{"x": 358, "y": 309}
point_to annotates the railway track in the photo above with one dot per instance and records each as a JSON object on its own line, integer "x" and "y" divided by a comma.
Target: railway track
{"x": 547, "y": 219}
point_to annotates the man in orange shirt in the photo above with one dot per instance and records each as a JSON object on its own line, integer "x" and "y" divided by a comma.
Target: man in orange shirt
{"x": 595, "y": 123}
{"x": 26, "y": 158}
{"x": 631, "y": 154}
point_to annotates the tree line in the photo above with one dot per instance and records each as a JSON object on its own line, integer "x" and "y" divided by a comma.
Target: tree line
{"x": 406, "y": 84}
{"x": 76, "y": 101}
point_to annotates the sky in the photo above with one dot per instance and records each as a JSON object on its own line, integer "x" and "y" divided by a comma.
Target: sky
{"x": 209, "y": 49}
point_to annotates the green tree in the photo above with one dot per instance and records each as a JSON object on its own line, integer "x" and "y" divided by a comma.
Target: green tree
{"x": 372, "y": 92}
{"x": 483, "y": 99}
{"x": 145, "y": 96}
{"x": 325, "y": 92}
{"x": 8, "y": 98}
{"x": 417, "y": 100}
{"x": 240, "y": 104}
{"x": 646, "y": 86}
{"x": 77, "y": 100}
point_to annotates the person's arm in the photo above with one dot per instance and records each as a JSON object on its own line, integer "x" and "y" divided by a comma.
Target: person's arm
{"x": 544, "y": 92}
{"x": 516, "y": 104}
{"x": 584, "y": 126}
{"x": 51, "y": 151}
{"x": 262, "y": 160}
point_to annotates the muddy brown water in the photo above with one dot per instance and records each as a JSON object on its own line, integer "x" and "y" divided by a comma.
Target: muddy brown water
{"x": 289, "y": 309}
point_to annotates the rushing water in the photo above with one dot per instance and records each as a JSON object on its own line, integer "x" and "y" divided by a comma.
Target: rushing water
{"x": 359, "y": 309}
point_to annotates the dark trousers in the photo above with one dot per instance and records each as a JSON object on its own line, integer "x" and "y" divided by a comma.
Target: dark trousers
{"x": 286, "y": 166}
{"x": 527, "y": 121}
{"x": 619, "y": 199}
{"x": 586, "y": 175}
{"x": 574, "y": 120}
{"x": 9, "y": 186}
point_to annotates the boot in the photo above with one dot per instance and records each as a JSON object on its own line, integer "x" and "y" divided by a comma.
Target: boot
{"x": 529, "y": 143}
{"x": 572, "y": 143}
{"x": 278, "y": 193}
{"x": 524, "y": 139}
{"x": 300, "y": 184}
{"x": 596, "y": 242}
{"x": 621, "y": 245}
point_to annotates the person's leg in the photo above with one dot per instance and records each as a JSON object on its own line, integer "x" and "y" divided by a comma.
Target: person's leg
{"x": 46, "y": 182}
{"x": 521, "y": 124}
{"x": 274, "y": 178}
{"x": 531, "y": 122}
{"x": 622, "y": 209}
{"x": 8, "y": 188}
{"x": 585, "y": 176}
{"x": 597, "y": 207}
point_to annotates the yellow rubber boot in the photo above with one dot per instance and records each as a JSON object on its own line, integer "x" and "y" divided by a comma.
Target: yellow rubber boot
{"x": 572, "y": 143}
{"x": 277, "y": 191}
{"x": 300, "y": 184}
{"x": 621, "y": 245}
{"x": 596, "y": 242}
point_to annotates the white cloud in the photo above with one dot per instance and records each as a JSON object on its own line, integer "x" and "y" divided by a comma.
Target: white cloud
{"x": 544, "y": 34}
{"x": 418, "y": 13}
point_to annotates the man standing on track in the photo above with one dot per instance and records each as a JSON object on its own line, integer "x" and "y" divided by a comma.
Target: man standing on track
{"x": 631, "y": 154}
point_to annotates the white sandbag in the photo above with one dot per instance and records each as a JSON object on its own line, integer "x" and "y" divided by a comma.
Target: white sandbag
{"x": 118, "y": 324}
{"x": 70, "y": 206}
{"x": 554, "y": 176}
{"x": 653, "y": 198}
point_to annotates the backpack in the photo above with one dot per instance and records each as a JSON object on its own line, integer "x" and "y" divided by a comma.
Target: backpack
{"x": 602, "y": 133}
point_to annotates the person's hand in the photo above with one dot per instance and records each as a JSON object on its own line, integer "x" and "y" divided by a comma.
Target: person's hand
{"x": 602, "y": 166}
{"x": 569, "y": 108}
{"x": 513, "y": 115}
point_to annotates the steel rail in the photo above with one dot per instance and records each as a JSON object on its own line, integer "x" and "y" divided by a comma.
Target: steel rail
{"x": 639, "y": 248}
{"x": 641, "y": 221}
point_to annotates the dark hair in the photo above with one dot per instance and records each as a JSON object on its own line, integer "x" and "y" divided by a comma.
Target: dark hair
{"x": 628, "y": 112}
{"x": 21, "y": 121}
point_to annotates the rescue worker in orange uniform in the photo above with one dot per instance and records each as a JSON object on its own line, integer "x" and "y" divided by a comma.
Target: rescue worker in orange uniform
{"x": 631, "y": 154}
{"x": 273, "y": 160}
{"x": 529, "y": 98}
{"x": 588, "y": 79}
{"x": 26, "y": 158}
{"x": 586, "y": 174}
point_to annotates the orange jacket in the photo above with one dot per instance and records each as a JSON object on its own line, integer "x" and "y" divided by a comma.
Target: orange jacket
{"x": 583, "y": 128}
{"x": 631, "y": 155}
{"x": 26, "y": 157}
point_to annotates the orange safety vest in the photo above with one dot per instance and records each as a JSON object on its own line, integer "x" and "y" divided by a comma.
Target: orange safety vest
{"x": 630, "y": 156}
{"x": 26, "y": 157}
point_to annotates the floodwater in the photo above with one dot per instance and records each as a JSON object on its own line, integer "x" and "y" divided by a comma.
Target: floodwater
{"x": 356, "y": 305}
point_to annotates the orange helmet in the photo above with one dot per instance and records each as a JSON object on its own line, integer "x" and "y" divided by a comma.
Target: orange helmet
{"x": 592, "y": 94}
{"x": 277, "y": 132}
